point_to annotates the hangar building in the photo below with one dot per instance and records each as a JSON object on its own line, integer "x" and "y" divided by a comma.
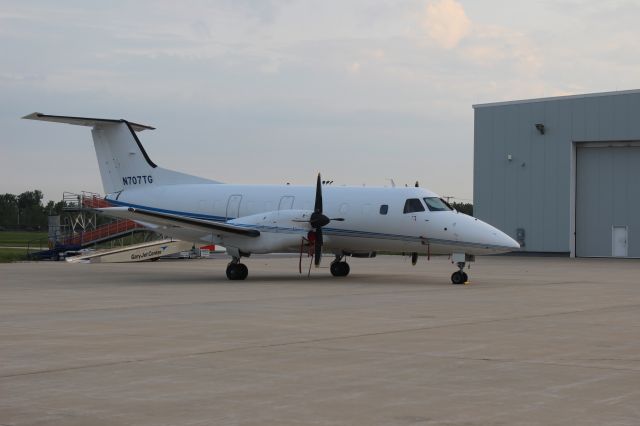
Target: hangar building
{"x": 561, "y": 175}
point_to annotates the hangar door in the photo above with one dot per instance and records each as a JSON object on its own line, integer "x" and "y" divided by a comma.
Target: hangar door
{"x": 607, "y": 201}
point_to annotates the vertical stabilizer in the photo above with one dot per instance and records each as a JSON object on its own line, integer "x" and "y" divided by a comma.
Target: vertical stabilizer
{"x": 122, "y": 159}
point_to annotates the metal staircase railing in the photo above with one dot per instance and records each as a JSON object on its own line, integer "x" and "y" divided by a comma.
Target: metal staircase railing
{"x": 102, "y": 233}
{"x": 86, "y": 237}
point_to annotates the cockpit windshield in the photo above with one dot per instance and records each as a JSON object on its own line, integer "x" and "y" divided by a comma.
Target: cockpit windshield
{"x": 436, "y": 204}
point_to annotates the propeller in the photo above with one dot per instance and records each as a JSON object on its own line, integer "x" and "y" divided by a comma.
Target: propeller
{"x": 318, "y": 220}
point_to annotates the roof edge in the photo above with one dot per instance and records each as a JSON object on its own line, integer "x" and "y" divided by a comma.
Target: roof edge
{"x": 557, "y": 98}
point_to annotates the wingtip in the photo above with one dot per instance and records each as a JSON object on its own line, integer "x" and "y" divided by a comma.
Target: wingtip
{"x": 32, "y": 116}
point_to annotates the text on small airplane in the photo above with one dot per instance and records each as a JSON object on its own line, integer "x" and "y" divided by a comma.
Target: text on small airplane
{"x": 135, "y": 180}
{"x": 146, "y": 254}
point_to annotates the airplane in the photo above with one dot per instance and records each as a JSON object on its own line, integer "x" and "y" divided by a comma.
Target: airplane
{"x": 246, "y": 219}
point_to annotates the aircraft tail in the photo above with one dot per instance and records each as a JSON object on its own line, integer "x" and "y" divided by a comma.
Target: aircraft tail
{"x": 122, "y": 159}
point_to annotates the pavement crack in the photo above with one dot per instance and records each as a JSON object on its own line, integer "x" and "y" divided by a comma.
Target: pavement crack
{"x": 550, "y": 363}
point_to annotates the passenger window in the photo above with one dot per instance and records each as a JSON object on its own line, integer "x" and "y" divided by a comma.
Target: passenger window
{"x": 436, "y": 204}
{"x": 413, "y": 205}
{"x": 384, "y": 209}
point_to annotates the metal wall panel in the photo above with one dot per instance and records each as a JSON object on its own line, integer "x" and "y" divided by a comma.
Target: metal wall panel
{"x": 591, "y": 119}
{"x": 482, "y": 161}
{"x": 498, "y": 174}
{"x": 607, "y": 195}
{"x": 633, "y": 117}
{"x": 552, "y": 140}
{"x": 511, "y": 145}
{"x": 538, "y": 192}
{"x": 578, "y": 122}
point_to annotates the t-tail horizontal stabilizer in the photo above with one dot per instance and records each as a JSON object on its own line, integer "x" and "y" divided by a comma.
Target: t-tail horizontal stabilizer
{"x": 84, "y": 121}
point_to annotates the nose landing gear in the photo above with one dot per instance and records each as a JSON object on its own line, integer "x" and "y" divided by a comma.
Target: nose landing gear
{"x": 460, "y": 259}
{"x": 459, "y": 277}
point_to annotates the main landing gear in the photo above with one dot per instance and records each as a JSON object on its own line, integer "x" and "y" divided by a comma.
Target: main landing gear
{"x": 339, "y": 268}
{"x": 237, "y": 270}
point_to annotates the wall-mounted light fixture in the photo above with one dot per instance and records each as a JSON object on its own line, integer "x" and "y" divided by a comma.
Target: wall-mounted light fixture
{"x": 540, "y": 128}
{"x": 520, "y": 234}
{"x": 509, "y": 157}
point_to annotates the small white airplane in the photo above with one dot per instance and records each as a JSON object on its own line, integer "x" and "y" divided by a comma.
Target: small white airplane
{"x": 247, "y": 219}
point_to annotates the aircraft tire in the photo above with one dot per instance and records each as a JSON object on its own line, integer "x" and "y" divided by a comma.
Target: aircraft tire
{"x": 458, "y": 277}
{"x": 340, "y": 269}
{"x": 345, "y": 269}
{"x": 237, "y": 271}
{"x": 244, "y": 271}
{"x": 334, "y": 269}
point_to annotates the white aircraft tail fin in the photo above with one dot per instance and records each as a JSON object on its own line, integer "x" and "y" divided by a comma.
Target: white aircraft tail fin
{"x": 122, "y": 159}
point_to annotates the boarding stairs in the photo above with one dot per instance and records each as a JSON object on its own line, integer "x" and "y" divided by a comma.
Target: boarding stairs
{"x": 81, "y": 229}
{"x": 84, "y": 236}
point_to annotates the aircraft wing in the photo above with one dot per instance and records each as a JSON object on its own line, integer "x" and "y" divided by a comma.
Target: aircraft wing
{"x": 178, "y": 221}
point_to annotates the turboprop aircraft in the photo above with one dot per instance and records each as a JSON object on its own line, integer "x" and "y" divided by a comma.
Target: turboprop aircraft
{"x": 246, "y": 219}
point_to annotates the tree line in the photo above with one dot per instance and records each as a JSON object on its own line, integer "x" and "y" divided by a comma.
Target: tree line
{"x": 466, "y": 208}
{"x": 27, "y": 211}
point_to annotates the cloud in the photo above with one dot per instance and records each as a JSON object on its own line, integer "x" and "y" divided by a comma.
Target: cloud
{"x": 354, "y": 68}
{"x": 446, "y": 22}
{"x": 501, "y": 47}
{"x": 377, "y": 54}
{"x": 271, "y": 65}
{"x": 201, "y": 29}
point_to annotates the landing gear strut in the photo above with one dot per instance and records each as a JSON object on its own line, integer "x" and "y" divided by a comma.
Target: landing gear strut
{"x": 339, "y": 268}
{"x": 237, "y": 270}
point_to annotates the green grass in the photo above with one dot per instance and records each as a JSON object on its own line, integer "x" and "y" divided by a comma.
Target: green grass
{"x": 12, "y": 255}
{"x": 20, "y": 238}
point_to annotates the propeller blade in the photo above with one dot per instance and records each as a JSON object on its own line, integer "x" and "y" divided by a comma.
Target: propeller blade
{"x": 318, "y": 205}
{"x": 318, "y": 247}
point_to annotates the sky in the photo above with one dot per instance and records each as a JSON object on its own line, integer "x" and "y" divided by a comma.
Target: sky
{"x": 275, "y": 91}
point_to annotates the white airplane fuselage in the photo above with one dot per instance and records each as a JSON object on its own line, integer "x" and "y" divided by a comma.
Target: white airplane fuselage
{"x": 271, "y": 208}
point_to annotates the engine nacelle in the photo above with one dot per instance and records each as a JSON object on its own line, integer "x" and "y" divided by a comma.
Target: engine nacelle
{"x": 280, "y": 231}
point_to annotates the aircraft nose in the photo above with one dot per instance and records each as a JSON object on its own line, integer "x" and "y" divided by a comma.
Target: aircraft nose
{"x": 484, "y": 234}
{"x": 507, "y": 241}
{"x": 501, "y": 241}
